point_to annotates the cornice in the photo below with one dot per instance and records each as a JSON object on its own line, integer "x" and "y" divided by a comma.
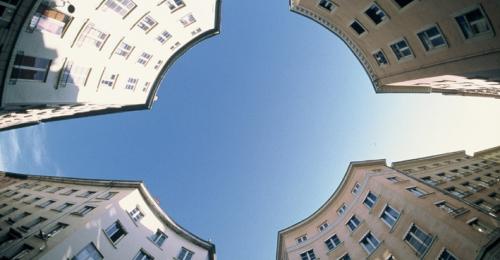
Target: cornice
{"x": 343, "y": 36}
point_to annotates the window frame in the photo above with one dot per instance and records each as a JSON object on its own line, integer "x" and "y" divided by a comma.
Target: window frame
{"x": 421, "y": 230}
{"x": 361, "y": 25}
{"x": 387, "y": 205}
{"x": 108, "y": 236}
{"x": 480, "y": 36}
{"x": 374, "y": 247}
{"x": 383, "y": 21}
{"x": 432, "y": 49}
{"x": 402, "y": 58}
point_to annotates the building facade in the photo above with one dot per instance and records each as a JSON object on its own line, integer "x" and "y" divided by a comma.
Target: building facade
{"x": 440, "y": 207}
{"x": 416, "y": 46}
{"x": 62, "y": 59}
{"x": 51, "y": 218}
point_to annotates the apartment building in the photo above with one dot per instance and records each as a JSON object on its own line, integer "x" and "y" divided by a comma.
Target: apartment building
{"x": 43, "y": 217}
{"x": 439, "y": 207}
{"x": 72, "y": 58}
{"x": 415, "y": 46}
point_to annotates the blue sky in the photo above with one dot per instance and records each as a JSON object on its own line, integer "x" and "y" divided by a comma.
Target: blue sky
{"x": 254, "y": 129}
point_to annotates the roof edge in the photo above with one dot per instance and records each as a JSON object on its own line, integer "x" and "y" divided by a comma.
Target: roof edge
{"x": 417, "y": 160}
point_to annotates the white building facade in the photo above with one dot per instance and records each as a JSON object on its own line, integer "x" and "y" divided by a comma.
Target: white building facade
{"x": 53, "y": 218}
{"x": 63, "y": 59}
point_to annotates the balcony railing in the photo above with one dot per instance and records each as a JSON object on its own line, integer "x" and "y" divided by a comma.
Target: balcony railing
{"x": 457, "y": 212}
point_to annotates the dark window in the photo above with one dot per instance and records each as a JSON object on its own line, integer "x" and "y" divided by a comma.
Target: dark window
{"x": 376, "y": 14}
{"x": 403, "y": 3}
{"x": 357, "y": 27}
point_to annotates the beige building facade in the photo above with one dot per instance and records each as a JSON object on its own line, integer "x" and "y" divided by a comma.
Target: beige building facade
{"x": 439, "y": 207}
{"x": 43, "y": 217}
{"x": 64, "y": 59}
{"x": 416, "y": 46}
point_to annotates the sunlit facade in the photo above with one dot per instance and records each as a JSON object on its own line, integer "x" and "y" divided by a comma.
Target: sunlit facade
{"x": 439, "y": 207}
{"x": 414, "y": 46}
{"x": 63, "y": 59}
{"x": 43, "y": 217}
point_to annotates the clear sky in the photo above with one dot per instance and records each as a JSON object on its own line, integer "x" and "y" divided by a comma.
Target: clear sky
{"x": 254, "y": 129}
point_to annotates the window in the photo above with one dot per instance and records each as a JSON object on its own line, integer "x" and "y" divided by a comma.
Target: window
{"x": 327, "y": 5}
{"x": 445, "y": 206}
{"x": 370, "y": 200}
{"x": 369, "y": 243}
{"x": 432, "y": 38}
{"x": 353, "y": 223}
{"x": 187, "y": 20}
{"x": 7, "y": 9}
{"x": 131, "y": 83}
{"x": 136, "y": 214}
{"x": 21, "y": 252}
{"x": 159, "y": 238}
{"x": 309, "y": 255}
{"x": 49, "y": 20}
{"x": 89, "y": 252}
{"x": 63, "y": 207}
{"x": 382, "y": 60}
{"x": 30, "y": 68}
{"x": 332, "y": 242}
{"x": 417, "y": 192}
{"x": 21, "y": 197}
{"x": 43, "y": 188}
{"x": 74, "y": 75}
{"x": 479, "y": 226}
{"x": 323, "y": 226}
{"x": 376, "y": 14}
{"x": 3, "y": 205}
{"x": 45, "y": 204}
{"x": 342, "y": 209}
{"x": 147, "y": 23}
{"x": 356, "y": 188}
{"x": 92, "y": 36}
{"x": 11, "y": 194}
{"x": 109, "y": 79}
{"x": 69, "y": 192}
{"x": 115, "y": 232}
{"x": 146, "y": 86}
{"x": 83, "y": 211}
{"x": 472, "y": 187}
{"x": 144, "y": 58}
{"x": 358, "y": 27}
{"x": 185, "y": 254}
{"x": 123, "y": 49}
{"x": 142, "y": 255}
{"x": 345, "y": 257}
{"x": 301, "y": 239}
{"x": 473, "y": 23}
{"x": 457, "y": 192}
{"x": 419, "y": 240}
{"x": 401, "y": 49}
{"x": 163, "y": 37}
{"x": 403, "y": 3}
{"x": 390, "y": 216}
{"x": 52, "y": 231}
{"x": 429, "y": 180}
{"x": 121, "y": 7}
{"x": 484, "y": 205}
{"x": 175, "y": 4}
{"x": 492, "y": 195}
{"x": 446, "y": 255}
{"x": 55, "y": 189}
{"x": 108, "y": 195}
{"x": 7, "y": 212}
{"x": 17, "y": 217}
{"x": 86, "y": 194}
{"x": 33, "y": 223}
{"x": 158, "y": 64}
